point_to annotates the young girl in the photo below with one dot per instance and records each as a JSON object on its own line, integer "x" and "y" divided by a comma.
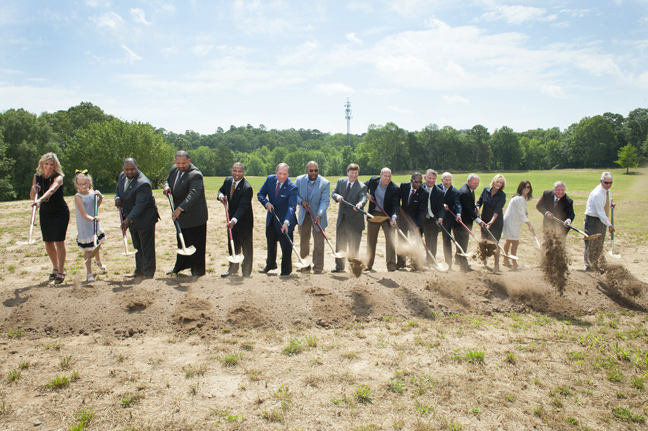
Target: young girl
{"x": 85, "y": 215}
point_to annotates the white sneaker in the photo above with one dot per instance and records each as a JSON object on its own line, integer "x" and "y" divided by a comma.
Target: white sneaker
{"x": 90, "y": 278}
{"x": 101, "y": 266}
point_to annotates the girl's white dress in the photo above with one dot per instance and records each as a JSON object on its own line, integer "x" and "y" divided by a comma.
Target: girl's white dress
{"x": 85, "y": 228}
{"x": 515, "y": 216}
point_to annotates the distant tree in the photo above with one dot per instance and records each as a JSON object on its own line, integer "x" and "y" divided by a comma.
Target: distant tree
{"x": 384, "y": 146}
{"x": 507, "y": 152}
{"x": 26, "y": 138}
{"x": 628, "y": 157}
{"x": 637, "y": 125}
{"x": 428, "y": 139}
{"x": 254, "y": 166}
{"x": 204, "y": 158}
{"x": 478, "y": 151}
{"x": 224, "y": 160}
{"x": 7, "y": 192}
{"x": 102, "y": 147}
{"x": 591, "y": 143}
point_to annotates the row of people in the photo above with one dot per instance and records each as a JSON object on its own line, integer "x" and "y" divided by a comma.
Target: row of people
{"x": 419, "y": 205}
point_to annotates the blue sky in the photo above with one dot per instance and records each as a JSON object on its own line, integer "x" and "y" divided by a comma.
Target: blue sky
{"x": 197, "y": 65}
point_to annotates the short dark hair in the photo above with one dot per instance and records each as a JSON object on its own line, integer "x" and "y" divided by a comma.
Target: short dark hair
{"x": 182, "y": 153}
{"x": 130, "y": 160}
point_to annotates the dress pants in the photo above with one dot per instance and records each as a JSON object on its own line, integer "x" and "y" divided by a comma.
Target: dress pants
{"x": 242, "y": 243}
{"x": 318, "y": 240}
{"x": 196, "y": 236}
{"x": 390, "y": 239}
{"x": 144, "y": 242}
{"x": 431, "y": 234}
{"x": 462, "y": 236}
{"x": 272, "y": 236}
{"x": 451, "y": 226}
{"x": 347, "y": 240}
{"x": 593, "y": 247}
{"x": 404, "y": 226}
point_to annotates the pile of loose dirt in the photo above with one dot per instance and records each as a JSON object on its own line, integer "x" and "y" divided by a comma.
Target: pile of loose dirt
{"x": 357, "y": 266}
{"x": 621, "y": 279}
{"x": 555, "y": 262}
{"x": 486, "y": 250}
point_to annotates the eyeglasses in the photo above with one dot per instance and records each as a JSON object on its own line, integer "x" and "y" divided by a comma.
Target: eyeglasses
{"x": 607, "y": 182}
{"x": 527, "y": 187}
{"x": 417, "y": 182}
{"x": 82, "y": 184}
{"x": 313, "y": 170}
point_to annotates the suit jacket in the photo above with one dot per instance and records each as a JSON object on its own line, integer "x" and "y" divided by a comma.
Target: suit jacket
{"x": 239, "y": 206}
{"x": 137, "y": 200}
{"x": 319, "y": 201}
{"x": 392, "y": 197}
{"x": 284, "y": 203}
{"x": 417, "y": 207}
{"x": 189, "y": 195}
{"x": 451, "y": 198}
{"x": 467, "y": 201}
{"x": 434, "y": 202}
{"x": 357, "y": 194}
{"x": 564, "y": 209}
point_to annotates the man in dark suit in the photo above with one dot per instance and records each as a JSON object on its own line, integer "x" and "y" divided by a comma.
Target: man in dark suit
{"x": 412, "y": 198}
{"x": 134, "y": 195}
{"x": 236, "y": 191}
{"x": 350, "y": 222}
{"x": 469, "y": 213}
{"x": 451, "y": 202}
{"x": 384, "y": 192}
{"x": 185, "y": 183}
{"x": 433, "y": 212}
{"x": 556, "y": 203}
{"x": 279, "y": 195}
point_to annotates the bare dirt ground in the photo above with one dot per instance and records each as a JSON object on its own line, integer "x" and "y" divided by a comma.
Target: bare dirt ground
{"x": 382, "y": 351}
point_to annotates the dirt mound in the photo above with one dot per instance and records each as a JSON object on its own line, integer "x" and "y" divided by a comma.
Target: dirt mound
{"x": 192, "y": 313}
{"x": 135, "y": 300}
{"x": 486, "y": 250}
{"x": 328, "y": 309}
{"x": 621, "y": 279}
{"x": 357, "y": 266}
{"x": 555, "y": 262}
{"x": 247, "y": 316}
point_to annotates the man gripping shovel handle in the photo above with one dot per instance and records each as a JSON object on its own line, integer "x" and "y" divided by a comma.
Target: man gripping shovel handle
{"x": 185, "y": 251}
{"x": 123, "y": 229}
{"x": 612, "y": 253}
{"x": 233, "y": 257}
{"x": 372, "y": 218}
{"x": 31, "y": 240}
{"x": 439, "y": 266}
{"x": 587, "y": 237}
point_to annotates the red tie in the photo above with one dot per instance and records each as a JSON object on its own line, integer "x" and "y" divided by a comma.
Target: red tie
{"x": 409, "y": 201}
{"x": 277, "y": 190}
{"x": 346, "y": 195}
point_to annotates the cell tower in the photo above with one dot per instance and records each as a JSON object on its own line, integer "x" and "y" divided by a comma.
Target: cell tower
{"x": 347, "y": 115}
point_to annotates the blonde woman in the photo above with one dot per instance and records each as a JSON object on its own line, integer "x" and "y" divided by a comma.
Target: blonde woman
{"x": 54, "y": 214}
{"x": 492, "y": 202}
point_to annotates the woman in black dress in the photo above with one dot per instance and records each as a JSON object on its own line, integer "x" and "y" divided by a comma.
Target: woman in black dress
{"x": 492, "y": 200}
{"x": 54, "y": 214}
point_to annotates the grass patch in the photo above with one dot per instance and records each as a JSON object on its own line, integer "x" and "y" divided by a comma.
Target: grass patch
{"x": 232, "y": 359}
{"x": 13, "y": 376}
{"x": 363, "y": 394}
{"x": 59, "y": 382}
{"x": 626, "y": 415}
{"x": 294, "y": 347}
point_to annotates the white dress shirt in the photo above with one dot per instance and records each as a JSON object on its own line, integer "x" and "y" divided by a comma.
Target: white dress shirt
{"x": 596, "y": 205}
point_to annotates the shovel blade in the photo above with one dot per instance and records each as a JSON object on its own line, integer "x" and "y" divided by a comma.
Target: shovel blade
{"x": 188, "y": 251}
{"x": 378, "y": 219}
{"x": 614, "y": 255}
{"x": 303, "y": 263}
{"x": 27, "y": 242}
{"x": 589, "y": 237}
{"x": 94, "y": 252}
{"x": 441, "y": 267}
{"x": 338, "y": 254}
{"x": 235, "y": 259}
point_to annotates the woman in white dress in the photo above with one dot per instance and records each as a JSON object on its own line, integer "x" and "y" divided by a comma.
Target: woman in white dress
{"x": 516, "y": 214}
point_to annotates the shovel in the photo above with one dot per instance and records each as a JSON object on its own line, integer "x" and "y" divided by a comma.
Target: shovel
{"x": 121, "y": 220}
{"x": 463, "y": 253}
{"x": 508, "y": 256}
{"x": 335, "y": 254}
{"x": 303, "y": 263}
{"x": 31, "y": 240}
{"x": 372, "y": 218}
{"x": 587, "y": 237}
{"x": 96, "y": 247}
{"x": 611, "y": 252}
{"x": 233, "y": 258}
{"x": 441, "y": 267}
{"x": 537, "y": 242}
{"x": 184, "y": 251}
{"x": 464, "y": 225}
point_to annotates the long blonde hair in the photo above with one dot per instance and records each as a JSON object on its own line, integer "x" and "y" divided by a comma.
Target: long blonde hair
{"x": 49, "y": 157}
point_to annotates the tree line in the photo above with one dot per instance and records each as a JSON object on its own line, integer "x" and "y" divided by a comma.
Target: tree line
{"x": 85, "y": 137}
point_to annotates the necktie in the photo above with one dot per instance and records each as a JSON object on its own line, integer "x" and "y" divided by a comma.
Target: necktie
{"x": 555, "y": 202}
{"x": 348, "y": 189}
{"x": 277, "y": 189}
{"x": 409, "y": 201}
{"x": 607, "y": 203}
{"x": 178, "y": 178}
{"x": 126, "y": 184}
{"x": 232, "y": 189}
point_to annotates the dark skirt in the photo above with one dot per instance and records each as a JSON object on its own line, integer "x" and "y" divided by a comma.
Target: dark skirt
{"x": 54, "y": 226}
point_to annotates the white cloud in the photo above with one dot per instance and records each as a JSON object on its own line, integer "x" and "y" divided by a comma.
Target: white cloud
{"x": 97, "y": 3}
{"x": 359, "y": 6}
{"x": 643, "y": 20}
{"x": 455, "y": 99}
{"x": 269, "y": 18}
{"x": 335, "y": 88}
{"x": 351, "y": 37}
{"x": 554, "y": 91}
{"x": 399, "y": 110}
{"x": 576, "y": 13}
{"x": 518, "y": 14}
{"x": 108, "y": 20}
{"x": 130, "y": 55}
{"x": 202, "y": 50}
{"x": 139, "y": 16}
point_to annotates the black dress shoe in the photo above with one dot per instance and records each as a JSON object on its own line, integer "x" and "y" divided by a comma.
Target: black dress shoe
{"x": 336, "y": 270}
{"x": 267, "y": 269}
{"x": 135, "y": 274}
{"x": 173, "y": 271}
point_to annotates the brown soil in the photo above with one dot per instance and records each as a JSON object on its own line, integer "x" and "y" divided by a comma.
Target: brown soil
{"x": 555, "y": 262}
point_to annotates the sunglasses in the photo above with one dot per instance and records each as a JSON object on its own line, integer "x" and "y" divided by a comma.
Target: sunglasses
{"x": 313, "y": 170}
{"x": 417, "y": 182}
{"x": 607, "y": 182}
